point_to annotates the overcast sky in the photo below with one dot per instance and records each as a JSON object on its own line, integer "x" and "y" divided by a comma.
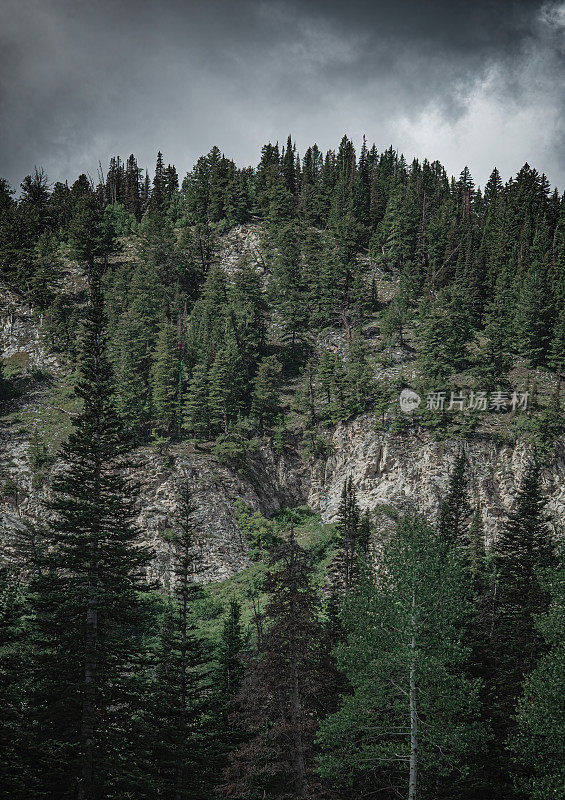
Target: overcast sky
{"x": 477, "y": 82}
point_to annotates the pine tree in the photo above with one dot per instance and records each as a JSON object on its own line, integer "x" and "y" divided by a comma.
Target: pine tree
{"x": 87, "y": 600}
{"x": 396, "y": 317}
{"x": 247, "y": 311}
{"x": 158, "y": 191}
{"x": 523, "y": 551}
{"x": 358, "y": 379}
{"x": 228, "y": 677}
{"x": 133, "y": 346}
{"x": 537, "y": 744}
{"x": 230, "y": 667}
{"x": 266, "y": 405}
{"x": 323, "y": 279}
{"x": 181, "y": 758}
{"x": 279, "y": 696}
{"x": 196, "y": 407}
{"x": 15, "y": 738}
{"x": 411, "y": 723}
{"x": 45, "y": 275}
{"x": 90, "y": 235}
{"x": 166, "y": 380}
{"x": 287, "y": 289}
{"x": 288, "y": 169}
{"x": 326, "y": 374}
{"x": 556, "y": 358}
{"x": 389, "y": 246}
{"x": 132, "y": 190}
{"x": 5, "y": 387}
{"x": 348, "y": 529}
{"x": 455, "y": 509}
{"x": 533, "y": 310}
{"x": 523, "y": 554}
{"x": 363, "y": 539}
{"x": 476, "y": 548}
{"x": 226, "y": 386}
{"x": 444, "y": 337}
{"x": 33, "y": 207}
{"x": 208, "y": 319}
{"x": 492, "y": 361}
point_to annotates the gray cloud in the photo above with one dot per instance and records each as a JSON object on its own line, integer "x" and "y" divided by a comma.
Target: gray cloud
{"x": 467, "y": 82}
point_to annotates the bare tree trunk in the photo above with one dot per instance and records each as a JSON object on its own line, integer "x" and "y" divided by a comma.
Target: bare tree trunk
{"x": 300, "y": 783}
{"x": 179, "y": 760}
{"x": 88, "y": 713}
{"x": 301, "y": 786}
{"x": 257, "y": 620}
{"x": 413, "y": 779}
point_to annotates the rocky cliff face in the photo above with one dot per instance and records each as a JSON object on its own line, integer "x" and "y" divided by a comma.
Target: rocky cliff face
{"x": 270, "y": 482}
{"x": 410, "y": 473}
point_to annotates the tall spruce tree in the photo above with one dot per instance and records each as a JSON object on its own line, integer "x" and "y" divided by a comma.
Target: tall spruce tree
{"x": 266, "y": 404}
{"x": 444, "y": 336}
{"x": 15, "y": 733}
{"x": 279, "y": 696}
{"x": 411, "y": 723}
{"x": 227, "y": 680}
{"x": 533, "y": 307}
{"x": 523, "y": 551}
{"x": 196, "y": 407}
{"x": 86, "y": 601}
{"x": 523, "y": 554}
{"x": 455, "y": 510}
{"x": 538, "y": 741}
{"x": 347, "y": 529}
{"x": 166, "y": 378}
{"x": 226, "y": 395}
{"x": 182, "y": 759}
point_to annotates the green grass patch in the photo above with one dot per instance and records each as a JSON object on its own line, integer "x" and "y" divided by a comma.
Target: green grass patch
{"x": 49, "y": 418}
{"x": 311, "y": 533}
{"x": 16, "y": 364}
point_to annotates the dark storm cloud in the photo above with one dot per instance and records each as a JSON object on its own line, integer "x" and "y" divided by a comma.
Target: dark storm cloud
{"x": 462, "y": 81}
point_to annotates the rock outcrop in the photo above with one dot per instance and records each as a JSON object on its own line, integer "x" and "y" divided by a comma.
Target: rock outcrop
{"x": 409, "y": 473}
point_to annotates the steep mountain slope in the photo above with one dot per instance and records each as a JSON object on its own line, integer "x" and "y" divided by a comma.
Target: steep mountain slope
{"x": 407, "y": 470}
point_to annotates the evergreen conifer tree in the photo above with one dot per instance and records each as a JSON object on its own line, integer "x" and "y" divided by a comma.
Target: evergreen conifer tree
{"x": 359, "y": 387}
{"x": 182, "y": 756}
{"x": 247, "y": 310}
{"x": 523, "y": 554}
{"x": 228, "y": 677}
{"x": 348, "y": 529}
{"x": 444, "y": 336}
{"x": 537, "y": 744}
{"x": 266, "y": 405}
{"x": 279, "y": 696}
{"x": 523, "y": 551}
{"x": 226, "y": 386}
{"x": 455, "y": 509}
{"x": 166, "y": 380}
{"x": 411, "y": 723}
{"x": 196, "y": 407}
{"x": 90, "y": 234}
{"x": 533, "y": 308}
{"x": 557, "y": 348}
{"x": 157, "y": 199}
{"x": 15, "y": 732}
{"x": 87, "y": 601}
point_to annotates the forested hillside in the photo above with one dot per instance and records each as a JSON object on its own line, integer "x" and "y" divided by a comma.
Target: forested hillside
{"x": 253, "y": 323}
